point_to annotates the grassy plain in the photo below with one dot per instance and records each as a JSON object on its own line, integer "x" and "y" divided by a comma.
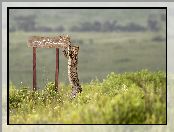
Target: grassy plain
{"x": 100, "y": 54}
{"x": 117, "y": 97}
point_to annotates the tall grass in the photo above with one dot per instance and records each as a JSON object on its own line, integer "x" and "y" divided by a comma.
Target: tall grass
{"x": 128, "y": 98}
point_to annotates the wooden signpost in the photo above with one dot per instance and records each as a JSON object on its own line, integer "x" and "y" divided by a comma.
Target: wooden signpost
{"x": 34, "y": 68}
{"x": 57, "y": 69}
{"x": 48, "y": 42}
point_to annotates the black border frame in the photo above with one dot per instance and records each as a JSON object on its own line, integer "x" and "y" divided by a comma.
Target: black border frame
{"x": 8, "y": 8}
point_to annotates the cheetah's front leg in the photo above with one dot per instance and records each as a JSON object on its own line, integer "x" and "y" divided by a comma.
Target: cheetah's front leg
{"x": 65, "y": 53}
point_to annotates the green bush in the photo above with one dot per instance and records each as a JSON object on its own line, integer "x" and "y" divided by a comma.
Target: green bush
{"x": 128, "y": 98}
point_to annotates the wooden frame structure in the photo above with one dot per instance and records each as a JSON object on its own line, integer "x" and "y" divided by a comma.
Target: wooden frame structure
{"x": 48, "y": 42}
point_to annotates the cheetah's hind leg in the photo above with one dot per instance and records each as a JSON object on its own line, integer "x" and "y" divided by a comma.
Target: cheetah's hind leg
{"x": 75, "y": 91}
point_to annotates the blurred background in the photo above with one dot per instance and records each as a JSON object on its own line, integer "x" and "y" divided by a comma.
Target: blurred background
{"x": 110, "y": 40}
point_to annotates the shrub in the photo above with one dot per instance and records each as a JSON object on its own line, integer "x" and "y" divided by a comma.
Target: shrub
{"x": 128, "y": 98}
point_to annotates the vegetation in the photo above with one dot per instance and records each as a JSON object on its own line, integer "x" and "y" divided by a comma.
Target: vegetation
{"x": 128, "y": 98}
{"x": 87, "y": 20}
{"x": 100, "y": 53}
{"x": 110, "y": 40}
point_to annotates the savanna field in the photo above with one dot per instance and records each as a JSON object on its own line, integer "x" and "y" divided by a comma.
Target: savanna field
{"x": 121, "y": 67}
{"x": 121, "y": 40}
{"x": 127, "y": 98}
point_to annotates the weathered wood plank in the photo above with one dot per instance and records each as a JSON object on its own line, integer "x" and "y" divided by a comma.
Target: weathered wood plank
{"x": 49, "y": 42}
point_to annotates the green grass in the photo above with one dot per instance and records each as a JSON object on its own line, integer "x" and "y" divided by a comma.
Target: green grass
{"x": 100, "y": 54}
{"x": 136, "y": 97}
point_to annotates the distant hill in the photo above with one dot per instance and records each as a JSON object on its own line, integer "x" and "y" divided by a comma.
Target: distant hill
{"x": 66, "y": 19}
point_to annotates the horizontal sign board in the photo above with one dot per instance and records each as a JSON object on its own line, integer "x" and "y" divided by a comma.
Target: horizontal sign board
{"x": 49, "y": 42}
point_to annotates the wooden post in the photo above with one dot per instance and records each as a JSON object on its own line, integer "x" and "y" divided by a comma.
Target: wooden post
{"x": 47, "y": 42}
{"x": 57, "y": 70}
{"x": 34, "y": 68}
